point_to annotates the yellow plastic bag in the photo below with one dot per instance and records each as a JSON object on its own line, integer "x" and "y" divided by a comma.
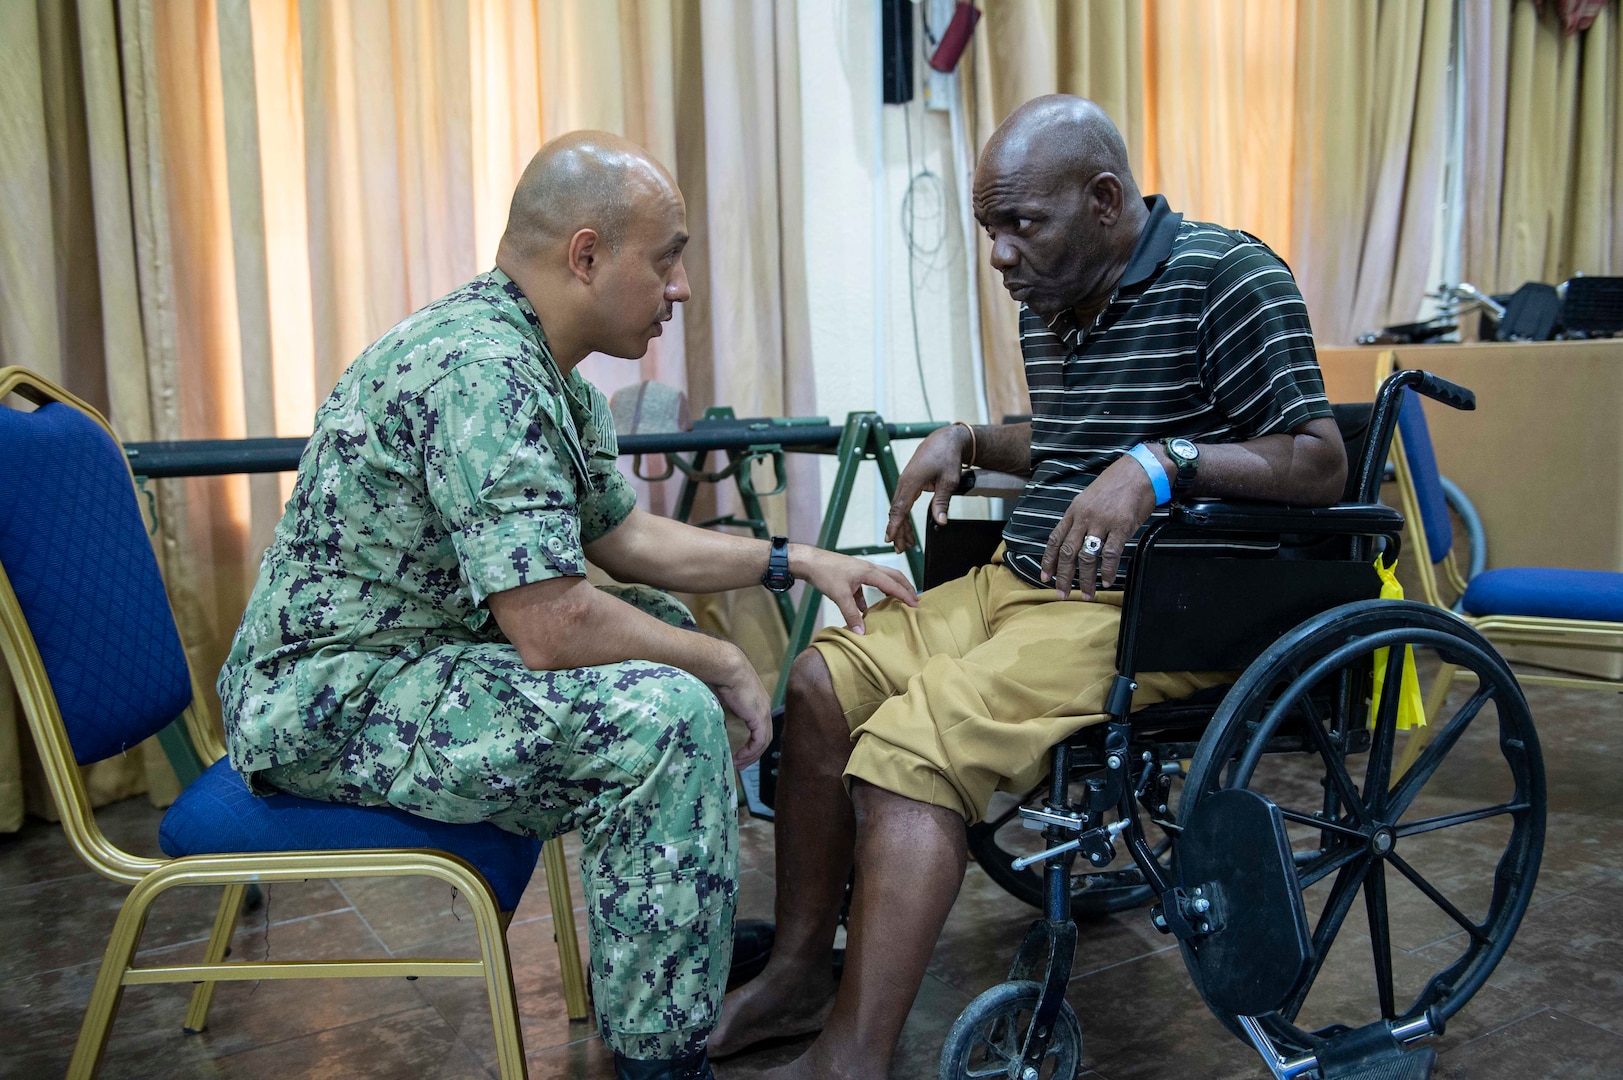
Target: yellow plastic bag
{"x": 1411, "y": 708}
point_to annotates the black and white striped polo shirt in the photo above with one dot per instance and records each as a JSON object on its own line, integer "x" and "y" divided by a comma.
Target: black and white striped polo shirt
{"x": 1206, "y": 337}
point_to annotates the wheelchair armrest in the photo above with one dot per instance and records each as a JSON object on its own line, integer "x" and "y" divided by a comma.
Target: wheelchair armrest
{"x": 991, "y": 485}
{"x": 1345, "y": 519}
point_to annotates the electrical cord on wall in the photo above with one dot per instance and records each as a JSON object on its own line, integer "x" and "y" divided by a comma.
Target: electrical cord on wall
{"x": 926, "y": 184}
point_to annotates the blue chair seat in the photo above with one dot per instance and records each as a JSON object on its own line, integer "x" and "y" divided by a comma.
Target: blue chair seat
{"x": 218, "y": 814}
{"x": 1546, "y": 592}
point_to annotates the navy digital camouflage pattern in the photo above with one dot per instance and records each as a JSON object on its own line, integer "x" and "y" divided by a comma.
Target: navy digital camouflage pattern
{"x": 452, "y": 461}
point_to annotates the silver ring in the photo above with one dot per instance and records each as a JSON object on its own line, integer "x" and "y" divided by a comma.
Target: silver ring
{"x": 1091, "y": 545}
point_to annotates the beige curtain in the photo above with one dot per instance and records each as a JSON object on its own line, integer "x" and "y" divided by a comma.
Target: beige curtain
{"x": 72, "y": 197}
{"x": 209, "y": 208}
{"x": 1371, "y": 132}
{"x": 1318, "y": 125}
{"x": 1022, "y": 49}
{"x": 1543, "y": 146}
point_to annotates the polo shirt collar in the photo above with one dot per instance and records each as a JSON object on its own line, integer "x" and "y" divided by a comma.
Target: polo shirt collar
{"x": 1153, "y": 248}
{"x": 1154, "y": 245}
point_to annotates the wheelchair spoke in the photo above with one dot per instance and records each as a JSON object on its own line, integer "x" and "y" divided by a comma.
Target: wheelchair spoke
{"x": 1409, "y": 786}
{"x": 1335, "y": 764}
{"x": 1476, "y": 932}
{"x": 1312, "y": 873}
{"x": 1432, "y": 824}
{"x": 1321, "y": 823}
{"x": 1342, "y": 894}
{"x": 1378, "y": 774}
{"x": 1380, "y": 936}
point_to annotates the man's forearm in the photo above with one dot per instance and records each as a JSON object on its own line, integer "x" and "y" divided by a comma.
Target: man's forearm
{"x": 667, "y": 554}
{"x": 1307, "y": 466}
{"x": 569, "y": 623}
{"x": 1002, "y": 448}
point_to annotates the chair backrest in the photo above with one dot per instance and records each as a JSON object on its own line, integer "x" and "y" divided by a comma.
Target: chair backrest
{"x": 1415, "y": 438}
{"x": 75, "y": 552}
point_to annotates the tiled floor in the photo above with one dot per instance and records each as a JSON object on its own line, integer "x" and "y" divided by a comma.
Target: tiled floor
{"x": 1554, "y": 1007}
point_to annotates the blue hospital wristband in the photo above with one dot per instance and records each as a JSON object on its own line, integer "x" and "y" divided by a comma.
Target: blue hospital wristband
{"x": 1158, "y": 475}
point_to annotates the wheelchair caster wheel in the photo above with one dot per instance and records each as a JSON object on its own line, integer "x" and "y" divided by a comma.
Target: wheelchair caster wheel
{"x": 987, "y": 1037}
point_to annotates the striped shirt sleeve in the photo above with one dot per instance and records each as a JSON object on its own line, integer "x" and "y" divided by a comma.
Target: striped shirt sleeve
{"x": 1256, "y": 347}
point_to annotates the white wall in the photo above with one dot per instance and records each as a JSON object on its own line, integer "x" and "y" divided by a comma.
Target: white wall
{"x": 856, "y": 177}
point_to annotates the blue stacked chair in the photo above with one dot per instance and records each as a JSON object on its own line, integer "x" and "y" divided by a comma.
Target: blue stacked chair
{"x": 1512, "y": 605}
{"x": 90, "y": 638}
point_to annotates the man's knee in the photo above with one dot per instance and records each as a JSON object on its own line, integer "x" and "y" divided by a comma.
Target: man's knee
{"x": 694, "y": 720}
{"x": 811, "y": 686}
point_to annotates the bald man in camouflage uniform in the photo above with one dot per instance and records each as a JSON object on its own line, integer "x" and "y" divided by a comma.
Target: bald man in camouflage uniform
{"x": 422, "y": 636}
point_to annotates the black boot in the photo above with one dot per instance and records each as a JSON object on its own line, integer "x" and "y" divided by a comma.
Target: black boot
{"x": 692, "y": 1067}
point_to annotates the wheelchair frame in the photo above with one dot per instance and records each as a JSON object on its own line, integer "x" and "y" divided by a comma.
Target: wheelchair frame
{"x": 1154, "y": 637}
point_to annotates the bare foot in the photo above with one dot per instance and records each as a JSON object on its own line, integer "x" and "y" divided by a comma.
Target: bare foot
{"x": 812, "y": 1066}
{"x": 772, "y": 1006}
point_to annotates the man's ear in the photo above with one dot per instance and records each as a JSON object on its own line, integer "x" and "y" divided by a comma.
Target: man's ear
{"x": 583, "y": 255}
{"x": 1108, "y": 198}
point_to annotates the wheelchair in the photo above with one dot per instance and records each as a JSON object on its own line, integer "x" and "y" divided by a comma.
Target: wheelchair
{"x": 1255, "y": 866}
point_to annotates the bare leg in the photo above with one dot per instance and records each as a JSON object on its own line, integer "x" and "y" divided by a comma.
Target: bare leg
{"x": 813, "y": 832}
{"x": 910, "y": 864}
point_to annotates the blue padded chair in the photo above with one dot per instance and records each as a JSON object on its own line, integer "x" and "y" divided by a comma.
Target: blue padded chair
{"x": 1512, "y": 605}
{"x": 87, "y": 630}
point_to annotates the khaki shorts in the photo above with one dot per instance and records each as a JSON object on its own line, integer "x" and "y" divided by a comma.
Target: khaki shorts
{"x": 966, "y": 693}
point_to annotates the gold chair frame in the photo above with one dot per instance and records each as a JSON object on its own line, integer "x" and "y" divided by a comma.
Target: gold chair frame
{"x": 153, "y": 876}
{"x": 1587, "y": 634}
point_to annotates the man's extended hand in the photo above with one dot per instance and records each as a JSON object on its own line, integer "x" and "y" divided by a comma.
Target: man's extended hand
{"x": 935, "y": 466}
{"x": 1112, "y": 508}
{"x": 740, "y": 692}
{"x": 841, "y": 578}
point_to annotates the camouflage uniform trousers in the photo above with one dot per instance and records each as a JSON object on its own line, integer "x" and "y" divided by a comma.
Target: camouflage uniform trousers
{"x": 634, "y": 755}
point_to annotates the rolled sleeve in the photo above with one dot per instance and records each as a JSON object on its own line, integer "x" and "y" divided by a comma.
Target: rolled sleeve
{"x": 1259, "y": 364}
{"x": 501, "y": 476}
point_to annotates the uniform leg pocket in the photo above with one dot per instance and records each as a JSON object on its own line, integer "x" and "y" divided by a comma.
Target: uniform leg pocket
{"x": 661, "y": 946}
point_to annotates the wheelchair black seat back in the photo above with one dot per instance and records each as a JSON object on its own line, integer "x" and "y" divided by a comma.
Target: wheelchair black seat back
{"x": 1255, "y": 816}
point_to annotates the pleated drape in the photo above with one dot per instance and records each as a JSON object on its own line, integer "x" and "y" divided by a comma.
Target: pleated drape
{"x": 210, "y": 208}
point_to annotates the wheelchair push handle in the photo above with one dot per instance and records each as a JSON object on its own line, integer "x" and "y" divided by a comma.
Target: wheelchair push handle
{"x": 1384, "y": 418}
{"x": 1440, "y": 389}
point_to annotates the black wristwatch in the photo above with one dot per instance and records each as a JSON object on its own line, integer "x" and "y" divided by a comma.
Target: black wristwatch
{"x": 1186, "y": 456}
{"x": 777, "y": 576}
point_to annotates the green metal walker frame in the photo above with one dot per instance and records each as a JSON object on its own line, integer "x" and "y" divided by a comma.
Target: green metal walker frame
{"x": 865, "y": 437}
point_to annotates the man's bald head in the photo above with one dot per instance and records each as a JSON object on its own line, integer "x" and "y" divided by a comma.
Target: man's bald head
{"x": 583, "y": 180}
{"x": 594, "y": 240}
{"x": 1055, "y": 193}
{"x": 1061, "y": 135}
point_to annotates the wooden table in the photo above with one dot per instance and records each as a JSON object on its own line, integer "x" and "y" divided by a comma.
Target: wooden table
{"x": 1541, "y": 457}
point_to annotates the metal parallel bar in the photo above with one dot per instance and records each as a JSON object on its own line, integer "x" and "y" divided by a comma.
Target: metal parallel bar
{"x": 183, "y": 757}
{"x": 757, "y": 516}
{"x": 221, "y": 457}
{"x": 885, "y": 457}
{"x": 864, "y": 436}
{"x": 851, "y": 451}
{"x": 250, "y": 970}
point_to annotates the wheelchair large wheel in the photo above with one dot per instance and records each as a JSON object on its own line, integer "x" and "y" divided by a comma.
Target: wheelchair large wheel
{"x": 1444, "y": 855}
{"x": 987, "y": 1038}
{"x": 1095, "y": 892}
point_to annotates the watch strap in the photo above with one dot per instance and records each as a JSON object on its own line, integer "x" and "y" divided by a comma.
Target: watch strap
{"x": 777, "y": 576}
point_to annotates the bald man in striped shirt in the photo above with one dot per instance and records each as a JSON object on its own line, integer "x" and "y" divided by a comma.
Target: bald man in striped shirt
{"x": 1165, "y": 357}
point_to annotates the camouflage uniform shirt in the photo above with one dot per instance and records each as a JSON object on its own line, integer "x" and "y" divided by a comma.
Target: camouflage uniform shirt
{"x": 452, "y": 461}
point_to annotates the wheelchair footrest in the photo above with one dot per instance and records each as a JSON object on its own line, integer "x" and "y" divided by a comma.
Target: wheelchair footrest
{"x": 1372, "y": 1053}
{"x": 1394, "y": 1065}
{"x": 1255, "y": 946}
